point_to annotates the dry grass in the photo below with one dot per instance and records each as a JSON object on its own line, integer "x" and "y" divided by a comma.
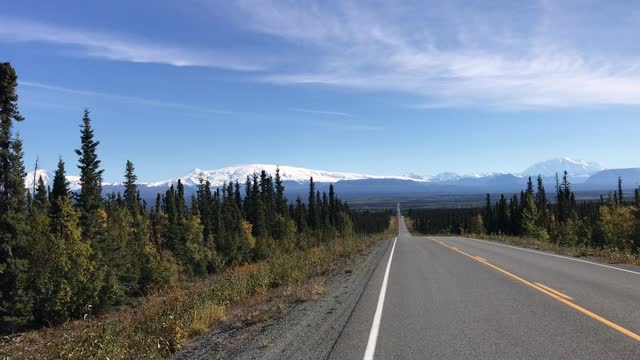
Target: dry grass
{"x": 311, "y": 291}
{"x": 409, "y": 223}
{"x": 205, "y": 318}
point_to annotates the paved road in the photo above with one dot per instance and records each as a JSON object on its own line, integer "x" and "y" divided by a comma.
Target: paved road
{"x": 457, "y": 298}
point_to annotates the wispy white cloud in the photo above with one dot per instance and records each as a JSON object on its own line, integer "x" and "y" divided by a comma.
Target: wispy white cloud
{"x": 320, "y": 112}
{"x": 344, "y": 125}
{"x": 118, "y": 47}
{"x": 452, "y": 56}
{"x": 129, "y": 99}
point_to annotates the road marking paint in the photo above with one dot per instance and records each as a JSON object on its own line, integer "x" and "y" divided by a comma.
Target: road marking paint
{"x": 558, "y": 256}
{"x": 481, "y": 259}
{"x": 554, "y": 291}
{"x": 592, "y": 315}
{"x": 375, "y": 327}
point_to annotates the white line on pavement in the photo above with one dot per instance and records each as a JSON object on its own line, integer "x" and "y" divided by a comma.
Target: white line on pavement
{"x": 375, "y": 327}
{"x": 559, "y": 256}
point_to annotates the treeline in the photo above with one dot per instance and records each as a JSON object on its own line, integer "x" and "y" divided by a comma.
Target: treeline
{"x": 612, "y": 222}
{"x": 65, "y": 255}
{"x": 370, "y": 222}
{"x": 446, "y": 220}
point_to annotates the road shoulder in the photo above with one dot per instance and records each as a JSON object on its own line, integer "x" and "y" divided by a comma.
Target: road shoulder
{"x": 295, "y": 329}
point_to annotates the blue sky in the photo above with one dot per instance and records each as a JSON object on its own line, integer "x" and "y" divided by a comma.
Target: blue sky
{"x": 372, "y": 86}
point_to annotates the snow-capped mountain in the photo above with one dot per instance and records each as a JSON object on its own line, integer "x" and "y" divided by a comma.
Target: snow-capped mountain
{"x": 418, "y": 177}
{"x": 575, "y": 168}
{"x": 47, "y": 177}
{"x": 363, "y": 185}
{"x": 218, "y": 177}
{"x": 32, "y": 178}
{"x": 445, "y": 176}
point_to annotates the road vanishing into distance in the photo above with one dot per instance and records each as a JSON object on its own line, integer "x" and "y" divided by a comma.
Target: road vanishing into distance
{"x": 459, "y": 298}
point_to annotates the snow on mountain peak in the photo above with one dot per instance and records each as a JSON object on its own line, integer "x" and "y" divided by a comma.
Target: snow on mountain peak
{"x": 445, "y": 176}
{"x": 32, "y": 178}
{"x": 47, "y": 177}
{"x": 575, "y": 168}
{"x": 218, "y": 177}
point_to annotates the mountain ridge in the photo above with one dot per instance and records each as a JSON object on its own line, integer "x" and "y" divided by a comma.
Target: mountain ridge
{"x": 298, "y": 176}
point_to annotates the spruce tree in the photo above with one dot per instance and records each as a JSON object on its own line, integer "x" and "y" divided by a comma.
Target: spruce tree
{"x": 503, "y": 215}
{"x": 281, "y": 200}
{"x": 234, "y": 240}
{"x": 8, "y": 114}
{"x": 566, "y": 200}
{"x": 488, "y": 214}
{"x": 332, "y": 206}
{"x": 541, "y": 203}
{"x": 313, "y": 220}
{"x": 238, "y": 197}
{"x": 181, "y": 206}
{"x": 318, "y": 211}
{"x": 41, "y": 198}
{"x": 301, "y": 216}
{"x": 205, "y": 207}
{"x": 248, "y": 205}
{"x": 130, "y": 188}
{"x": 59, "y": 189}
{"x": 529, "y": 190}
{"x": 90, "y": 197}
{"x": 620, "y": 193}
{"x": 15, "y": 298}
{"x": 325, "y": 214}
{"x": 171, "y": 206}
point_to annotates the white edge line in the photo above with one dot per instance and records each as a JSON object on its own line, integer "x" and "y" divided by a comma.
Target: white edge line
{"x": 554, "y": 255}
{"x": 375, "y": 327}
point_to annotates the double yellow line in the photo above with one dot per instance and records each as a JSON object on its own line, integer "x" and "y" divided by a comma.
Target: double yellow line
{"x": 563, "y": 298}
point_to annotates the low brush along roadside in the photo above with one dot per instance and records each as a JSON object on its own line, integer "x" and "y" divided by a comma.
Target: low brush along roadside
{"x": 164, "y": 322}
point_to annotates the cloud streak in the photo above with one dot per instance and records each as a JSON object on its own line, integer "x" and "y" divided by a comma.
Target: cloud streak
{"x": 454, "y": 57}
{"x": 117, "y": 47}
{"x": 320, "y": 112}
{"x": 129, "y": 99}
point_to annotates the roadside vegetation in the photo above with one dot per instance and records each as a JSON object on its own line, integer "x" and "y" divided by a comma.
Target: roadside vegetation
{"x": 145, "y": 277}
{"x": 163, "y": 322}
{"x": 609, "y": 228}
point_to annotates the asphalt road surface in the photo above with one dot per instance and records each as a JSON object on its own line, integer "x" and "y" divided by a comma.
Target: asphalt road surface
{"x": 458, "y": 298}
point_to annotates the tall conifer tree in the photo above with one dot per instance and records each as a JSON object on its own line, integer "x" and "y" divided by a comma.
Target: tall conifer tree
{"x": 90, "y": 197}
{"x": 281, "y": 200}
{"x": 131, "y": 188}
{"x": 620, "y": 192}
{"x": 15, "y": 298}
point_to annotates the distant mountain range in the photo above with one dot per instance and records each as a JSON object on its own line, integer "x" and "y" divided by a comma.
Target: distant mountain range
{"x": 287, "y": 173}
{"x": 585, "y": 176}
{"x": 575, "y": 168}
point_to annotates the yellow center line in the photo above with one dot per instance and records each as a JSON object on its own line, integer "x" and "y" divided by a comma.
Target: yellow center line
{"x": 592, "y": 315}
{"x": 481, "y": 259}
{"x": 554, "y": 291}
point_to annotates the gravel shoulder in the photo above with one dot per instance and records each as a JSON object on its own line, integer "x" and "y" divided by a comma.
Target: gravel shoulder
{"x": 304, "y": 326}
